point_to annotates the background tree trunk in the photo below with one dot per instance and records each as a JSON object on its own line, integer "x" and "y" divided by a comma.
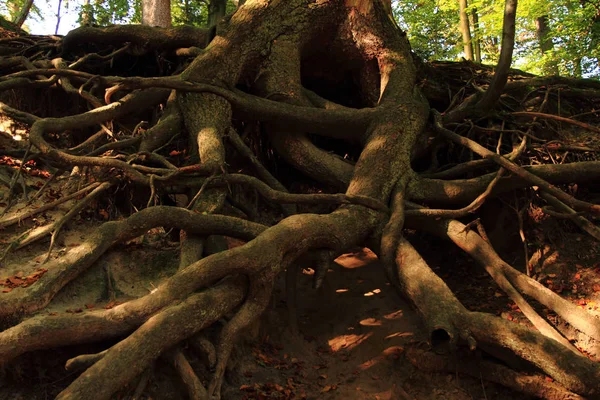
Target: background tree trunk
{"x": 546, "y": 45}
{"x": 216, "y": 11}
{"x": 22, "y": 16}
{"x": 156, "y": 13}
{"x": 477, "y": 33}
{"x": 465, "y": 30}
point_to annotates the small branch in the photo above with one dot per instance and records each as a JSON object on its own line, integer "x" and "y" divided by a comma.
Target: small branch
{"x": 128, "y": 104}
{"x": 73, "y": 212}
{"x": 21, "y": 217}
{"x": 557, "y": 118}
{"x": 96, "y": 56}
{"x": 462, "y": 212}
{"x": 478, "y": 202}
{"x": 13, "y": 182}
{"x": 84, "y": 361}
{"x": 577, "y": 219}
{"x": 517, "y": 170}
{"x": 290, "y": 198}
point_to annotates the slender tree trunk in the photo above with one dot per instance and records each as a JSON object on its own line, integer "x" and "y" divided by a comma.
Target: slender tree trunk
{"x": 465, "y": 30}
{"x": 22, "y": 16}
{"x": 87, "y": 19}
{"x": 216, "y": 11}
{"x": 156, "y": 13}
{"x": 477, "y": 44}
{"x": 58, "y": 17}
{"x": 546, "y": 45}
{"x": 577, "y": 69}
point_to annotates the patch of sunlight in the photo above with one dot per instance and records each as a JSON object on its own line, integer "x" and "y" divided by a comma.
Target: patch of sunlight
{"x": 370, "y": 322}
{"x": 347, "y": 342}
{"x": 395, "y": 315}
{"x": 399, "y": 334}
{"x": 390, "y": 352}
{"x": 372, "y": 292}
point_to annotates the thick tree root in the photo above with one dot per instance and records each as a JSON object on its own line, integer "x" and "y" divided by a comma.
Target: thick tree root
{"x": 66, "y": 268}
{"x": 450, "y": 323}
{"x": 195, "y": 389}
{"x": 537, "y": 386}
{"x": 483, "y": 252}
{"x": 130, "y": 357}
{"x": 259, "y": 295}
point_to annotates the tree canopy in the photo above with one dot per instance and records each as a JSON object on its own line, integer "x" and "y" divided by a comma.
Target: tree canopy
{"x": 571, "y": 28}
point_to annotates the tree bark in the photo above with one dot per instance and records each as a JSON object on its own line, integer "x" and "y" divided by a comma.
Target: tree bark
{"x": 546, "y": 45}
{"x": 465, "y": 30}
{"x": 477, "y": 35}
{"x": 216, "y": 11}
{"x": 156, "y": 13}
{"x": 23, "y": 14}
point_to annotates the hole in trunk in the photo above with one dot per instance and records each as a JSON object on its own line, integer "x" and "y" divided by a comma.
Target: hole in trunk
{"x": 439, "y": 338}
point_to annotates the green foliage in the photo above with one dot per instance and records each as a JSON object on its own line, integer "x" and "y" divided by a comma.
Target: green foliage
{"x": 189, "y": 12}
{"x": 430, "y": 26}
{"x": 109, "y": 12}
{"x": 10, "y": 9}
{"x": 574, "y": 31}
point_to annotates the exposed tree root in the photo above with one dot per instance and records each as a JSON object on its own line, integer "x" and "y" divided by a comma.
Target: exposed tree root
{"x": 130, "y": 357}
{"x": 194, "y": 387}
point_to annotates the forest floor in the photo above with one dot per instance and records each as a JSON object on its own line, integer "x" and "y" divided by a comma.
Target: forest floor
{"x": 355, "y": 330}
{"x": 356, "y": 333}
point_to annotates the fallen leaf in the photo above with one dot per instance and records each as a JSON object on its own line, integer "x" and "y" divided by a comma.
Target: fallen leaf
{"x": 326, "y": 389}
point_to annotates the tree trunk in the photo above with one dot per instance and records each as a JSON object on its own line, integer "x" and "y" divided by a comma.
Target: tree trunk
{"x": 58, "y": 17}
{"x": 216, "y": 11}
{"x": 87, "y": 16}
{"x": 23, "y": 14}
{"x": 546, "y": 45}
{"x": 156, "y": 13}
{"x": 577, "y": 67}
{"x": 477, "y": 35}
{"x": 465, "y": 30}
